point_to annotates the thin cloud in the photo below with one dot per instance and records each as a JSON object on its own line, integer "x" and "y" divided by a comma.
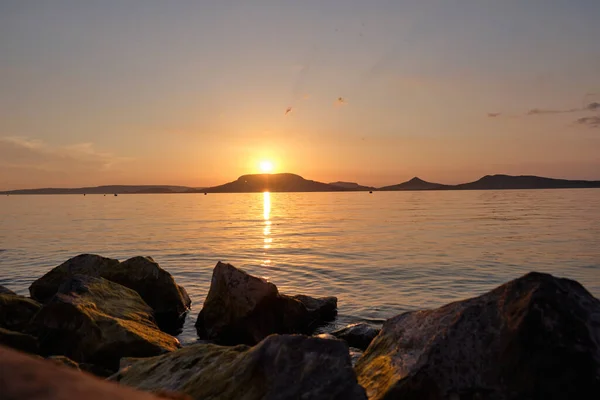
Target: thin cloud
{"x": 538, "y": 111}
{"x": 592, "y": 122}
{"x": 593, "y": 106}
{"x": 494, "y": 115}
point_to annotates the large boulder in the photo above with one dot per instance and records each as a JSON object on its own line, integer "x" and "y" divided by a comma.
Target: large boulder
{"x": 243, "y": 309}
{"x": 280, "y": 367}
{"x": 16, "y": 312}
{"x": 156, "y": 286}
{"x": 93, "y": 320}
{"x": 5, "y": 290}
{"x": 357, "y": 335}
{"x": 19, "y": 341}
{"x": 537, "y": 337}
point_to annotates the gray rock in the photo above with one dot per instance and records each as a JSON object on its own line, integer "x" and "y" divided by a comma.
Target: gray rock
{"x": 243, "y": 309}
{"x": 156, "y": 286}
{"x": 537, "y": 337}
{"x": 97, "y": 321}
{"x": 280, "y": 367}
{"x": 16, "y": 312}
{"x": 357, "y": 335}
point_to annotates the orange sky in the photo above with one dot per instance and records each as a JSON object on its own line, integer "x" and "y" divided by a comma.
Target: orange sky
{"x": 196, "y": 94}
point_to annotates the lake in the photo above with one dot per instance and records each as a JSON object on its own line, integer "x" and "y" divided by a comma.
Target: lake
{"x": 380, "y": 254}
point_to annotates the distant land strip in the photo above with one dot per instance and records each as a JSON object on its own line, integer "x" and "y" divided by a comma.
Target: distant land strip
{"x": 287, "y": 182}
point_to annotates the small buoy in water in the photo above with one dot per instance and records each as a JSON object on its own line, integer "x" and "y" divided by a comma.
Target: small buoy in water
{"x": 84, "y": 194}
{"x": 370, "y": 192}
{"x": 205, "y": 193}
{"x": 116, "y": 195}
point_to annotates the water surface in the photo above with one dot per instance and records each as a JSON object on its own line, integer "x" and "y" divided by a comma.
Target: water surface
{"x": 380, "y": 253}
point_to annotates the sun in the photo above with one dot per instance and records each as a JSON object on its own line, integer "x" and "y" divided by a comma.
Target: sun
{"x": 266, "y": 166}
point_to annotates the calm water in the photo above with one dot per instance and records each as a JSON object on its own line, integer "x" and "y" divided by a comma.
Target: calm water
{"x": 380, "y": 254}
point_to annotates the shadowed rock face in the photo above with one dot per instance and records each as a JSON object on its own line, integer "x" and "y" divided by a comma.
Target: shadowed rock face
{"x": 537, "y": 337}
{"x": 357, "y": 335}
{"x": 243, "y": 309}
{"x": 93, "y": 320}
{"x": 156, "y": 286}
{"x": 280, "y": 367}
{"x": 16, "y": 312}
{"x": 19, "y": 341}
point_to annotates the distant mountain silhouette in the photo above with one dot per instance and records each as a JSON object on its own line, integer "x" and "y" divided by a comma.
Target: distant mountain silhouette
{"x": 295, "y": 183}
{"x": 351, "y": 186}
{"x": 525, "y": 182}
{"x": 111, "y": 189}
{"x": 415, "y": 184}
{"x": 272, "y": 183}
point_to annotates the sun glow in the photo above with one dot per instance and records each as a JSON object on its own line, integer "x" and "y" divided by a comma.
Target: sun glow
{"x": 266, "y": 166}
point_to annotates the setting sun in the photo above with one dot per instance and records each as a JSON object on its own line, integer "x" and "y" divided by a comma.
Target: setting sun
{"x": 266, "y": 166}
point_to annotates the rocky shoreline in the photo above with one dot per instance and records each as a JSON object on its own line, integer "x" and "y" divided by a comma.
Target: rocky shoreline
{"x": 536, "y": 337}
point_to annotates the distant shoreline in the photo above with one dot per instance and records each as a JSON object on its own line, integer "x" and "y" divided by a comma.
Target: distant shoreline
{"x": 291, "y": 183}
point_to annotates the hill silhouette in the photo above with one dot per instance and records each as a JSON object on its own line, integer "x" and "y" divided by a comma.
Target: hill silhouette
{"x": 352, "y": 186}
{"x": 525, "y": 182}
{"x": 107, "y": 189}
{"x": 415, "y": 184}
{"x": 285, "y": 182}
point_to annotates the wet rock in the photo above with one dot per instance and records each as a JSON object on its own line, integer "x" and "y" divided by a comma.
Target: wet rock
{"x": 243, "y": 309}
{"x": 357, "y": 335}
{"x": 16, "y": 312}
{"x": 93, "y": 320}
{"x": 25, "y": 377}
{"x": 537, "y": 337}
{"x": 19, "y": 341}
{"x": 280, "y": 367}
{"x": 5, "y": 290}
{"x": 156, "y": 286}
{"x": 64, "y": 361}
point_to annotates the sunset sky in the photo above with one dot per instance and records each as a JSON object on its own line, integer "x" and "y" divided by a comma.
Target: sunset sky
{"x": 196, "y": 92}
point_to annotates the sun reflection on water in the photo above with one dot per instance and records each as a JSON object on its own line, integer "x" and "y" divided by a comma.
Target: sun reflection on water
{"x": 267, "y": 228}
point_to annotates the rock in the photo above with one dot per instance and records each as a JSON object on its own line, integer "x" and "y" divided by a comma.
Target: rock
{"x": 4, "y": 290}
{"x": 96, "y": 370}
{"x": 156, "y": 286}
{"x": 280, "y": 367}
{"x": 355, "y": 355}
{"x": 357, "y": 335}
{"x": 25, "y": 377}
{"x": 64, "y": 361}
{"x": 243, "y": 309}
{"x": 44, "y": 288}
{"x": 93, "y": 320}
{"x": 16, "y": 312}
{"x": 18, "y": 341}
{"x": 537, "y": 337}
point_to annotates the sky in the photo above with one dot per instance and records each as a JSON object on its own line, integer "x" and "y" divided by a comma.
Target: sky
{"x": 199, "y": 92}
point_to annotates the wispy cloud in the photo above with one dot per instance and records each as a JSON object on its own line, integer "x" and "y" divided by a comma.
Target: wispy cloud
{"x": 593, "y": 122}
{"x": 539, "y": 111}
{"x": 18, "y": 152}
{"x": 494, "y": 115}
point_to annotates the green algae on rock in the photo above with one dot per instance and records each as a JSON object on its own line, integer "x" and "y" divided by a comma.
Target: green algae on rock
{"x": 94, "y": 320}
{"x": 156, "y": 286}
{"x": 279, "y": 367}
